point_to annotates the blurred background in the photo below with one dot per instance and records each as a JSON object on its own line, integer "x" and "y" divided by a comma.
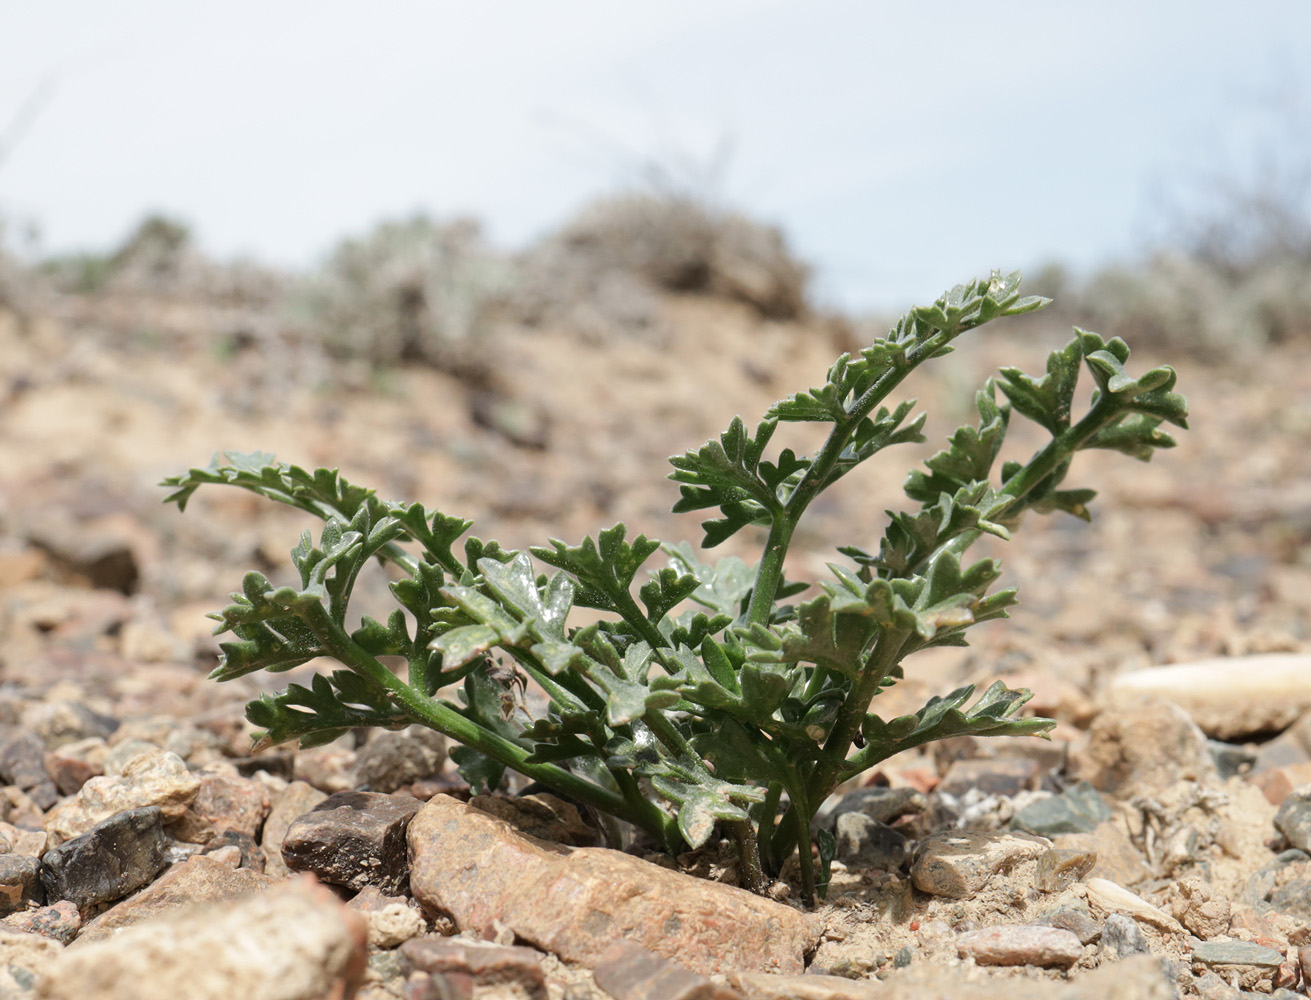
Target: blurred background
{"x": 506, "y": 258}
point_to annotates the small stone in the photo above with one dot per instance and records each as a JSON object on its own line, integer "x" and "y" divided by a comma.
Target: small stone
{"x": 393, "y": 759}
{"x": 1277, "y": 783}
{"x": 1111, "y": 898}
{"x": 866, "y": 843}
{"x": 127, "y": 749}
{"x": 1142, "y": 749}
{"x": 294, "y": 801}
{"x": 296, "y": 941}
{"x": 629, "y": 972}
{"x": 958, "y": 865}
{"x": 1057, "y": 869}
{"x": 199, "y": 880}
{"x": 1304, "y": 962}
{"x": 483, "y": 964}
{"x": 59, "y": 921}
{"x": 1287, "y": 976}
{"x": 1122, "y": 937}
{"x": 394, "y": 924}
{"x": 237, "y": 849}
{"x": 22, "y": 763}
{"x": 223, "y": 803}
{"x": 1200, "y": 908}
{"x": 74, "y": 764}
{"x": 328, "y": 768}
{"x": 578, "y": 901}
{"x": 61, "y": 722}
{"x": 1078, "y": 922}
{"x": 1078, "y": 809}
{"x": 157, "y": 778}
{"x": 20, "y": 882}
{"x": 1045, "y": 947}
{"x": 1004, "y": 776}
{"x": 1236, "y": 953}
{"x": 353, "y": 839}
{"x": 116, "y": 857}
{"x": 21, "y": 840}
{"x": 1294, "y": 819}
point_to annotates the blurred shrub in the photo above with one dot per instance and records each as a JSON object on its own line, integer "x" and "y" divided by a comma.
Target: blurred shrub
{"x": 604, "y": 271}
{"x": 411, "y": 291}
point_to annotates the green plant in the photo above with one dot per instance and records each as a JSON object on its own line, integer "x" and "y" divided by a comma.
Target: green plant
{"x": 742, "y": 712}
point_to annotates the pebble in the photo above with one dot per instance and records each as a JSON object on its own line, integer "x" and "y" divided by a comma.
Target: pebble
{"x": 61, "y": 722}
{"x": 60, "y": 921}
{"x": 393, "y": 759}
{"x": 811, "y": 986}
{"x": 1078, "y": 809}
{"x": 72, "y": 765}
{"x": 1045, "y": 947}
{"x": 1293, "y": 819}
{"x": 1117, "y": 858}
{"x": 20, "y": 882}
{"x": 1231, "y": 698}
{"x": 1231, "y": 759}
{"x": 1122, "y": 937}
{"x": 157, "y": 778}
{"x": 866, "y": 843}
{"x": 1143, "y": 749}
{"x": 629, "y": 972}
{"x": 576, "y": 902}
{"x": 1058, "y": 868}
{"x": 117, "y": 856}
{"x": 1078, "y": 921}
{"x": 22, "y": 763}
{"x": 1200, "y": 908}
{"x": 353, "y": 839}
{"x": 960, "y": 864}
{"x": 292, "y": 802}
{"x": 200, "y": 879}
{"x": 1111, "y": 898}
{"x": 329, "y": 768}
{"x": 224, "y": 802}
{"x": 391, "y": 920}
{"x": 296, "y": 941}
{"x": 464, "y": 966}
{"x": 1236, "y": 953}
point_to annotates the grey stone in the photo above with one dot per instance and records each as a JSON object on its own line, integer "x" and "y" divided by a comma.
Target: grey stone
{"x": 292, "y": 802}
{"x": 1232, "y": 759}
{"x": 1078, "y": 809}
{"x": 22, "y": 763}
{"x": 1236, "y": 953}
{"x": 1004, "y": 776}
{"x": 59, "y": 921}
{"x": 390, "y": 760}
{"x": 117, "y": 856}
{"x": 20, "y": 882}
{"x": 1122, "y": 937}
{"x": 353, "y": 839}
{"x": 1079, "y": 922}
{"x": 866, "y": 843}
{"x": 1294, "y": 819}
{"x": 481, "y": 964}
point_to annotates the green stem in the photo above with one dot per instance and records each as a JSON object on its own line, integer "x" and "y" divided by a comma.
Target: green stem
{"x": 748, "y": 852}
{"x": 801, "y": 824}
{"x": 768, "y": 816}
{"x": 446, "y": 720}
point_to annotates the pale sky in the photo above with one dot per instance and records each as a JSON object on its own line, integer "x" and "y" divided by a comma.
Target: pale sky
{"x": 903, "y": 147}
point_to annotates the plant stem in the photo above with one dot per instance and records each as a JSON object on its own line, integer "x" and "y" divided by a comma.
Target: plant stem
{"x": 748, "y": 853}
{"x": 446, "y": 720}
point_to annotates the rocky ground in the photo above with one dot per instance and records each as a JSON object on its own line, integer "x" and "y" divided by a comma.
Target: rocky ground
{"x": 1159, "y": 845}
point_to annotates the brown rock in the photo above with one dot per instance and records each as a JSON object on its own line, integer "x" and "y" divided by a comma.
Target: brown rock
{"x": 1200, "y": 908}
{"x": 961, "y": 863}
{"x": 1045, "y": 947}
{"x": 157, "y": 778}
{"x": 1141, "y": 749}
{"x": 294, "y": 801}
{"x": 577, "y": 902}
{"x": 461, "y": 963}
{"x": 1005, "y": 776}
{"x": 294, "y": 942}
{"x": 544, "y": 816}
{"x": 59, "y": 922}
{"x": 353, "y": 839}
{"x": 199, "y": 879}
{"x": 224, "y": 802}
{"x": 1058, "y": 868}
{"x": 629, "y": 972}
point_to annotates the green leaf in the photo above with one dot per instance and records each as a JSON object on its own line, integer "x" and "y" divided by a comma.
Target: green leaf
{"x": 725, "y": 474}
{"x": 604, "y": 569}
